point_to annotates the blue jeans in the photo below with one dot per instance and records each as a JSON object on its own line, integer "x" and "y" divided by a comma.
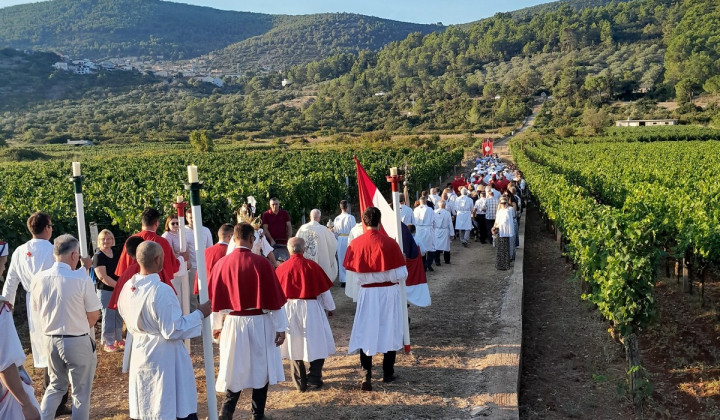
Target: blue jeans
{"x": 111, "y": 321}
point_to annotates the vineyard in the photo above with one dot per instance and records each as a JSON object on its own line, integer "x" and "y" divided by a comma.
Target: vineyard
{"x": 621, "y": 205}
{"x": 118, "y": 186}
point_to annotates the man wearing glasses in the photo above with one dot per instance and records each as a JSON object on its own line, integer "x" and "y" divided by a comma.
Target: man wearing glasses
{"x": 278, "y": 229}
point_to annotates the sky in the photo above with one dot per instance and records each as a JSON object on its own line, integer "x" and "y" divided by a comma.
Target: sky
{"x": 418, "y": 11}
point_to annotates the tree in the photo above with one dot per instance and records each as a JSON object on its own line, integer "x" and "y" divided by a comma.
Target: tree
{"x": 685, "y": 89}
{"x": 712, "y": 85}
{"x": 595, "y": 120}
{"x": 201, "y": 141}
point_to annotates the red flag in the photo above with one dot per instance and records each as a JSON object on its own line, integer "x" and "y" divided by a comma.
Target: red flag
{"x": 490, "y": 145}
{"x": 370, "y": 196}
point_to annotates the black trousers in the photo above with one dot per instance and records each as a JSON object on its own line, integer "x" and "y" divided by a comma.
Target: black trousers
{"x": 388, "y": 364}
{"x": 259, "y": 397}
{"x": 428, "y": 259}
{"x": 301, "y": 378}
{"x": 446, "y": 257}
{"x": 489, "y": 223}
{"x": 482, "y": 227}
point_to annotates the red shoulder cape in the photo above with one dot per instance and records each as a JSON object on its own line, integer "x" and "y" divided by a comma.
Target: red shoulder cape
{"x": 373, "y": 252}
{"x": 129, "y": 272}
{"x": 170, "y": 262}
{"x": 212, "y": 255}
{"x": 243, "y": 280}
{"x": 416, "y": 271}
{"x": 301, "y": 278}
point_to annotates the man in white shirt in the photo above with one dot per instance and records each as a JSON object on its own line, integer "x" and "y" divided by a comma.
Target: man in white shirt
{"x": 207, "y": 242}
{"x": 67, "y": 306}
{"x": 320, "y": 244}
{"x": 342, "y": 225}
{"x": 463, "y": 221}
{"x": 479, "y": 215}
{"x": 406, "y": 213}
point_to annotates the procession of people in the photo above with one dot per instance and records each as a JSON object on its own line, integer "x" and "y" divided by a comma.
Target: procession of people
{"x": 269, "y": 297}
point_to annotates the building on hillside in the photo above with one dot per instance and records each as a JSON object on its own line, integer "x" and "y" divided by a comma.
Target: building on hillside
{"x": 79, "y": 143}
{"x": 61, "y": 66}
{"x": 644, "y": 123}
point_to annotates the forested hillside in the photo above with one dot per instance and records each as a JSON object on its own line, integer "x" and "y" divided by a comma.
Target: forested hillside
{"x": 151, "y": 28}
{"x": 599, "y": 63}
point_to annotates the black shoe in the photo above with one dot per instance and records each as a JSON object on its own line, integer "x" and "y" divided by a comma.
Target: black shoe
{"x": 390, "y": 378}
{"x": 465, "y": 244}
{"x": 63, "y": 410}
{"x": 366, "y": 385}
{"x": 342, "y": 285}
{"x": 430, "y": 269}
{"x": 315, "y": 385}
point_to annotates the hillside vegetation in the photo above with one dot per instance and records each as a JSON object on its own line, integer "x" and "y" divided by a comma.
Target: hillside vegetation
{"x": 612, "y": 61}
{"x": 117, "y": 28}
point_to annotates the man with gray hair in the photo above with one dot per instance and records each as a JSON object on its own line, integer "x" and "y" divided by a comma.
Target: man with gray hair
{"x": 65, "y": 301}
{"x": 320, "y": 244}
{"x": 309, "y": 338}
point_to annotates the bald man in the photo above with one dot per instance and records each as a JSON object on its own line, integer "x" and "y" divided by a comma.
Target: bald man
{"x": 320, "y": 244}
{"x": 162, "y": 381}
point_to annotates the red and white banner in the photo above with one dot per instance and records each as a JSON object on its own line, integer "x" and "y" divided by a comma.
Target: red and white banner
{"x": 370, "y": 196}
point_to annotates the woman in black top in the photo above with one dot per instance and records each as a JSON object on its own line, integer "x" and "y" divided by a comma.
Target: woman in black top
{"x": 105, "y": 262}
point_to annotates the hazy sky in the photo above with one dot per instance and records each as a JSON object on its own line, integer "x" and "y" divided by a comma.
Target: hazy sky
{"x": 419, "y": 11}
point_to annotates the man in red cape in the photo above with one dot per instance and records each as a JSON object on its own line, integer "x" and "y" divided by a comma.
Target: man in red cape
{"x": 378, "y": 264}
{"x": 243, "y": 286}
{"x": 150, "y": 223}
{"x": 215, "y": 252}
{"x": 309, "y": 338}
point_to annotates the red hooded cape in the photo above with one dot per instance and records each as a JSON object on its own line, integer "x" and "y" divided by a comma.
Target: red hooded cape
{"x": 243, "y": 280}
{"x": 301, "y": 278}
{"x": 170, "y": 263}
{"x": 212, "y": 255}
{"x": 373, "y": 252}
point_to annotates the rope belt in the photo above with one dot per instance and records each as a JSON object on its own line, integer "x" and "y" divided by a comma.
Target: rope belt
{"x": 67, "y": 336}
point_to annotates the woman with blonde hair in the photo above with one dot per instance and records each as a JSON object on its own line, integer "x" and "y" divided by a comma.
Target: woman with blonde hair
{"x": 104, "y": 263}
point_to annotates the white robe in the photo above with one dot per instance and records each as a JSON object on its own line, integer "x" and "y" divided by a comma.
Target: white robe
{"x": 162, "y": 380}
{"x": 378, "y": 324}
{"x": 248, "y": 355}
{"x": 406, "y": 215}
{"x": 342, "y": 225}
{"x": 435, "y": 199}
{"x": 443, "y": 230}
{"x": 463, "y": 209}
{"x": 260, "y": 245}
{"x": 351, "y": 284}
{"x": 28, "y": 259}
{"x": 424, "y": 235}
{"x": 309, "y": 336}
{"x": 11, "y": 353}
{"x": 320, "y": 246}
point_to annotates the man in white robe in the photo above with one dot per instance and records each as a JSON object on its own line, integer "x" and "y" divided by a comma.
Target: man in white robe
{"x": 308, "y": 338}
{"x": 443, "y": 232}
{"x": 29, "y": 259}
{"x": 162, "y": 380}
{"x": 244, "y": 288}
{"x": 352, "y": 286}
{"x": 434, "y": 197}
{"x": 320, "y": 244}
{"x": 424, "y": 234}
{"x": 406, "y": 213}
{"x": 463, "y": 217}
{"x": 17, "y": 397}
{"x": 342, "y": 225}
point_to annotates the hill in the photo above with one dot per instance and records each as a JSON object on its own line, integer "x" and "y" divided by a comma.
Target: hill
{"x": 302, "y": 39}
{"x": 150, "y": 28}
